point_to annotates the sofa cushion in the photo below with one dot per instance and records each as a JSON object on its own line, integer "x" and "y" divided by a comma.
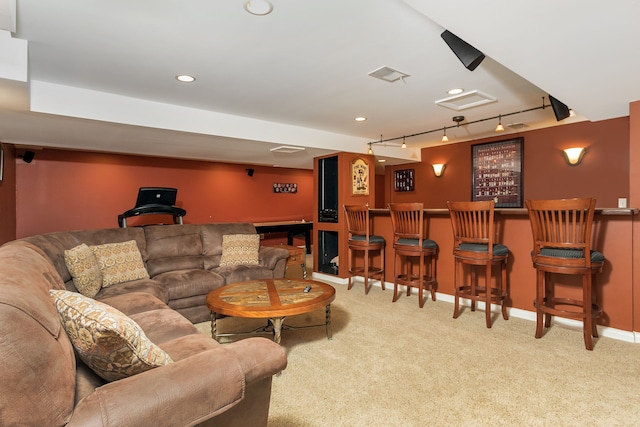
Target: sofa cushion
{"x": 240, "y": 249}
{"x": 84, "y": 269}
{"x": 148, "y": 286}
{"x": 186, "y": 283}
{"x": 109, "y": 342}
{"x": 120, "y": 262}
{"x": 173, "y": 247}
{"x": 242, "y": 273}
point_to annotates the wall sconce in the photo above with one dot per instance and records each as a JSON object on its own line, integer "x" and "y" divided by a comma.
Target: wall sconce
{"x": 438, "y": 169}
{"x": 574, "y": 155}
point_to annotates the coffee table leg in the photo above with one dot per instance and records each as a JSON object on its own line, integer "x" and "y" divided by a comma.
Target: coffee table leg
{"x": 277, "y": 328}
{"x": 328, "y": 322}
{"x": 214, "y": 326}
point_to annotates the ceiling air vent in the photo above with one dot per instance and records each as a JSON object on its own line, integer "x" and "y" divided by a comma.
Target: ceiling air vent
{"x": 466, "y": 100}
{"x": 388, "y": 74}
{"x": 286, "y": 149}
{"x": 516, "y": 126}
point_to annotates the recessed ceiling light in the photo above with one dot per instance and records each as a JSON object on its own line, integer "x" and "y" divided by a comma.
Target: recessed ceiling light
{"x": 382, "y": 160}
{"x": 360, "y": 119}
{"x": 455, "y": 91}
{"x": 258, "y": 7}
{"x": 185, "y": 79}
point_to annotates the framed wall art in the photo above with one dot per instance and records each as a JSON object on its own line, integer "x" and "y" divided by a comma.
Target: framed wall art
{"x": 497, "y": 172}
{"x": 405, "y": 180}
{"x": 360, "y": 177}
{"x": 285, "y": 187}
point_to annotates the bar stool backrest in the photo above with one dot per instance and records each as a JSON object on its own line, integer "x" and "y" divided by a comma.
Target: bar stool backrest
{"x": 407, "y": 221}
{"x": 358, "y": 223}
{"x": 473, "y": 223}
{"x": 562, "y": 227}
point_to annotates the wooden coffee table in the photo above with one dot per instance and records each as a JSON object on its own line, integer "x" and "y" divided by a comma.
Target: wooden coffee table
{"x": 272, "y": 299}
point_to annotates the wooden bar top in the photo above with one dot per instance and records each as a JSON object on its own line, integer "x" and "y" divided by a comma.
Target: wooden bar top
{"x": 519, "y": 211}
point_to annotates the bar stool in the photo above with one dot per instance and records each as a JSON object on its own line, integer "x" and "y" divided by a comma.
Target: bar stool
{"x": 562, "y": 244}
{"x": 409, "y": 242}
{"x": 474, "y": 245}
{"x": 361, "y": 239}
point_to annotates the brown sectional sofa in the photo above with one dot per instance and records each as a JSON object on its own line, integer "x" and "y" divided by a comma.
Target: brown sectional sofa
{"x": 44, "y": 383}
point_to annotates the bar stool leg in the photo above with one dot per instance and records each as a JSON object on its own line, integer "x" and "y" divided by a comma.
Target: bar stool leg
{"x": 488, "y": 294}
{"x": 540, "y": 288}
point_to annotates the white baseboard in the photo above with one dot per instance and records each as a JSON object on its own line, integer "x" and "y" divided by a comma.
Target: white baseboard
{"x": 603, "y": 331}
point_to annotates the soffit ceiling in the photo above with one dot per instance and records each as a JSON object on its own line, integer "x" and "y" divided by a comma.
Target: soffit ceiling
{"x": 101, "y": 74}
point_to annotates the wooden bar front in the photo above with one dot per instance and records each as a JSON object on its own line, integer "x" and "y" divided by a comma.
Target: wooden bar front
{"x": 612, "y": 234}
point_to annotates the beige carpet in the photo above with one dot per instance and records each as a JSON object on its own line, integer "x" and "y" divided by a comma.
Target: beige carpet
{"x": 393, "y": 364}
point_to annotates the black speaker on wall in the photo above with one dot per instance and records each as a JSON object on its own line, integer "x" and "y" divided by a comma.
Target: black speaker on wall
{"x": 559, "y": 109}
{"x": 28, "y": 156}
{"x": 250, "y": 172}
{"x": 467, "y": 54}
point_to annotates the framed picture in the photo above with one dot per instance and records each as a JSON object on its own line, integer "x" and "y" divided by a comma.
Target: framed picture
{"x": 279, "y": 187}
{"x": 497, "y": 172}
{"x": 405, "y": 180}
{"x": 360, "y": 177}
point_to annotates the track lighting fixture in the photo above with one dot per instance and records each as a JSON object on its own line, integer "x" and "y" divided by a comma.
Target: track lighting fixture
{"x": 370, "y": 150}
{"x": 500, "y": 128}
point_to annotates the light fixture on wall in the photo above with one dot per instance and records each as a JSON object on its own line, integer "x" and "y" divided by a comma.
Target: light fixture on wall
{"x": 500, "y": 128}
{"x": 574, "y": 155}
{"x": 438, "y": 169}
{"x": 444, "y": 135}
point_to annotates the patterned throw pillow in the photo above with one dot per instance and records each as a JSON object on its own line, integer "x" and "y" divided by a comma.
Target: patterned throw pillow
{"x": 84, "y": 269}
{"x": 120, "y": 262}
{"x": 106, "y": 340}
{"x": 240, "y": 249}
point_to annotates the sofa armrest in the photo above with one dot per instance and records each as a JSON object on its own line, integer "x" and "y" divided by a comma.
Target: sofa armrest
{"x": 259, "y": 357}
{"x": 269, "y": 256}
{"x": 183, "y": 393}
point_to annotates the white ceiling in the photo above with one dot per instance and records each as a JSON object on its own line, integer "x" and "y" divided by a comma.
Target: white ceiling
{"x": 100, "y": 75}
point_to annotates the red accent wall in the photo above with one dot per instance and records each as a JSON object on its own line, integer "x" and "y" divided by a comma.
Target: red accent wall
{"x": 68, "y": 190}
{"x": 603, "y": 173}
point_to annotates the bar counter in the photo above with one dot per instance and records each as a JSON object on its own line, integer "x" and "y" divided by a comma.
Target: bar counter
{"x": 612, "y": 234}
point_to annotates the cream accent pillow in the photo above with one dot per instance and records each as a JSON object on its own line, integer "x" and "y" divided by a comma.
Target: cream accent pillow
{"x": 110, "y": 343}
{"x": 84, "y": 269}
{"x": 240, "y": 249}
{"x": 119, "y": 262}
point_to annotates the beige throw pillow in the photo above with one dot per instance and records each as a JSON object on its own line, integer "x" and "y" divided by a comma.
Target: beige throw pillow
{"x": 110, "y": 343}
{"x": 240, "y": 249}
{"x": 120, "y": 262}
{"x": 84, "y": 269}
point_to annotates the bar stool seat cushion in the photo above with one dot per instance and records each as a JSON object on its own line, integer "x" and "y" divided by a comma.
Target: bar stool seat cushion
{"x": 372, "y": 239}
{"x": 426, "y": 243}
{"x": 596, "y": 256}
{"x": 498, "y": 249}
